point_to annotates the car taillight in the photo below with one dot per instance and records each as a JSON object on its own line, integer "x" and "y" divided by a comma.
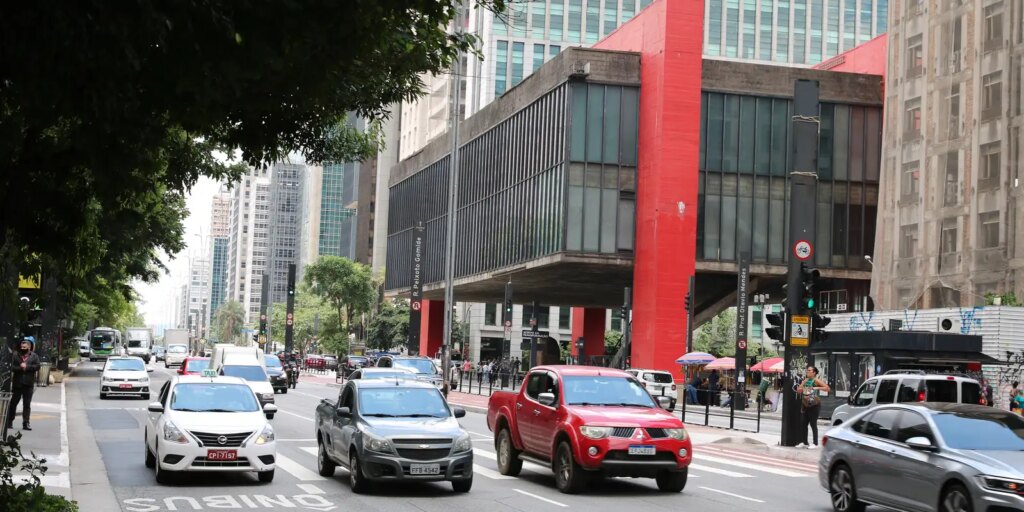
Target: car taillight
{"x": 824, "y": 440}
{"x": 950, "y": 378}
{"x": 920, "y": 396}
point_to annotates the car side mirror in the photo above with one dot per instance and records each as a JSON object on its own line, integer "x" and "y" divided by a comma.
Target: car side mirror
{"x": 270, "y": 410}
{"x": 156, "y": 407}
{"x": 664, "y": 402}
{"x": 921, "y": 443}
{"x": 343, "y": 412}
{"x": 547, "y": 399}
{"x": 849, "y": 399}
{"x": 459, "y": 412}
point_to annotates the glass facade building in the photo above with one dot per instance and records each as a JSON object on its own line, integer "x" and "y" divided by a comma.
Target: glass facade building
{"x": 219, "y": 277}
{"x": 790, "y": 31}
{"x": 337, "y": 229}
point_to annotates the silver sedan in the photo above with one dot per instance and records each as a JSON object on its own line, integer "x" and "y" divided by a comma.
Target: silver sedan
{"x": 925, "y": 457}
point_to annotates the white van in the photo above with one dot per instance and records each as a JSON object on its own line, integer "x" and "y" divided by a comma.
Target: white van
{"x": 247, "y": 363}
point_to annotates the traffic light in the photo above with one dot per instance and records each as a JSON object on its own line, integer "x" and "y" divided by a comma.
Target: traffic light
{"x": 777, "y": 331}
{"x": 818, "y": 324}
{"x": 809, "y": 280}
{"x": 291, "y": 290}
{"x": 506, "y": 314}
{"x": 688, "y": 301}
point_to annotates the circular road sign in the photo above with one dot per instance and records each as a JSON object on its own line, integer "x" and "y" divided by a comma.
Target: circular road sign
{"x": 803, "y": 250}
{"x": 416, "y": 305}
{"x": 508, "y": 323}
{"x": 742, "y": 344}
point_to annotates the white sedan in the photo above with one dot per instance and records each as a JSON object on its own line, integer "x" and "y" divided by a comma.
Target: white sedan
{"x": 210, "y": 424}
{"x": 124, "y": 376}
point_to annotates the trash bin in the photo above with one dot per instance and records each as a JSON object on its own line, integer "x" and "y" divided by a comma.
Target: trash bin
{"x": 43, "y": 376}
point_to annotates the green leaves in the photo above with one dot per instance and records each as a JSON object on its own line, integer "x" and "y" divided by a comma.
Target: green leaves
{"x": 229, "y": 319}
{"x": 390, "y": 328}
{"x": 718, "y": 337}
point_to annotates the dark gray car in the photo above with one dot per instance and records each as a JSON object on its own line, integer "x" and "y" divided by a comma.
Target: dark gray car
{"x": 925, "y": 457}
{"x": 393, "y": 429}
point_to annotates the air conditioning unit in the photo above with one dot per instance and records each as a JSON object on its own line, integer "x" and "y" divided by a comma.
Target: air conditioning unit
{"x": 949, "y": 324}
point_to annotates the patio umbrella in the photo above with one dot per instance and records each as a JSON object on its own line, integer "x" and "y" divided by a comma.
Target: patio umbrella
{"x": 722, "y": 363}
{"x": 766, "y": 365}
{"x": 695, "y": 358}
{"x": 778, "y": 367}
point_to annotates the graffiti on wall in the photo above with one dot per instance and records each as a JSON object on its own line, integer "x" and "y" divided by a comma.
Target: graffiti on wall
{"x": 970, "y": 320}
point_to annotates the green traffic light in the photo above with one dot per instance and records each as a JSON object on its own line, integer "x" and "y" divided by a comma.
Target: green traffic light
{"x": 810, "y": 303}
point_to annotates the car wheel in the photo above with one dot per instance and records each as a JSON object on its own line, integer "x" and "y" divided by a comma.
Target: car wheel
{"x": 103, "y": 396}
{"x": 509, "y": 462}
{"x": 956, "y": 499}
{"x": 162, "y": 475}
{"x": 671, "y": 481}
{"x": 266, "y": 476}
{"x": 356, "y": 478}
{"x": 843, "y": 491}
{"x": 150, "y": 458}
{"x": 462, "y": 485}
{"x": 324, "y": 465}
{"x": 569, "y": 476}
{"x": 284, "y": 391}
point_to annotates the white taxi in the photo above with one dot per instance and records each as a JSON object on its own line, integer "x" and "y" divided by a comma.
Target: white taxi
{"x": 124, "y": 376}
{"x": 211, "y": 424}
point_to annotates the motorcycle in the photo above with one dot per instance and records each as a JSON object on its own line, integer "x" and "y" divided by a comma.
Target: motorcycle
{"x": 293, "y": 375}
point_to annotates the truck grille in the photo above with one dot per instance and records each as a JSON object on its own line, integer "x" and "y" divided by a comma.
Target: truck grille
{"x": 427, "y": 454}
{"x": 623, "y": 431}
{"x": 657, "y": 433}
{"x": 417, "y": 442}
{"x": 211, "y": 439}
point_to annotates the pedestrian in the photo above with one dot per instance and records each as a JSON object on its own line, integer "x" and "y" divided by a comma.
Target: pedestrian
{"x": 23, "y": 382}
{"x": 1019, "y": 400}
{"x": 713, "y": 387}
{"x": 691, "y": 389}
{"x": 810, "y": 403}
{"x": 1014, "y": 393}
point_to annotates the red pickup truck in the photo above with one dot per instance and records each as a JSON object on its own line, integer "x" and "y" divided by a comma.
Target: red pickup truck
{"x": 586, "y": 422}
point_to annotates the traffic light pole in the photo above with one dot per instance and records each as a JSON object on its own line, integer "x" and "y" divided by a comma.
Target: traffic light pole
{"x": 803, "y": 184}
{"x": 289, "y": 315}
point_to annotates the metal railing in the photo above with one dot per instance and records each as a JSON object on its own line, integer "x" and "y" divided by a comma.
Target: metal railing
{"x": 484, "y": 383}
{"x": 709, "y": 404}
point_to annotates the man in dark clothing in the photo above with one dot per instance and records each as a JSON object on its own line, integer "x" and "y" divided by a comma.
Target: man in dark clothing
{"x": 23, "y": 382}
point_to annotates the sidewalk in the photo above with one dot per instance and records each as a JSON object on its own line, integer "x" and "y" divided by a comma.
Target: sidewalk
{"x": 48, "y": 439}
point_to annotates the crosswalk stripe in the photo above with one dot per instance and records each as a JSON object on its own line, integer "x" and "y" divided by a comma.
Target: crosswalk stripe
{"x": 745, "y": 465}
{"x": 310, "y": 489}
{"x": 723, "y": 472}
{"x": 490, "y": 473}
{"x": 788, "y": 464}
{"x": 312, "y": 450}
{"x": 297, "y": 470}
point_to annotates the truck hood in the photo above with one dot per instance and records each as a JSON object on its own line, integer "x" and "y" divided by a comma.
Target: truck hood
{"x": 418, "y": 427}
{"x": 625, "y": 416}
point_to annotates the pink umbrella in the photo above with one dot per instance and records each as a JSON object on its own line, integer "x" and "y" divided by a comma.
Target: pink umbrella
{"x": 767, "y": 366}
{"x": 722, "y": 363}
{"x": 778, "y": 367}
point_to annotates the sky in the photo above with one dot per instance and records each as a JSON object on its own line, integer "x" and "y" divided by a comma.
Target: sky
{"x": 156, "y": 300}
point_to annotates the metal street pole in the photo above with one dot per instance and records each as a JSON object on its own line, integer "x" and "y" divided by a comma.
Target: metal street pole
{"x": 453, "y": 181}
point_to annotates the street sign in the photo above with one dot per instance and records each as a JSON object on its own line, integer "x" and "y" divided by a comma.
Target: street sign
{"x": 416, "y": 306}
{"x": 841, "y": 307}
{"x": 803, "y": 250}
{"x": 741, "y": 344}
{"x": 800, "y": 330}
{"x": 535, "y": 334}
{"x": 508, "y": 323}
{"x": 508, "y": 332}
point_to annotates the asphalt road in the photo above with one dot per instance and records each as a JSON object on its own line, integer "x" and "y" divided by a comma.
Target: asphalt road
{"x": 720, "y": 479}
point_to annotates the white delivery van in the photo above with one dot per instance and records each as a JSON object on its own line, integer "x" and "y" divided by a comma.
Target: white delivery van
{"x": 246, "y": 363}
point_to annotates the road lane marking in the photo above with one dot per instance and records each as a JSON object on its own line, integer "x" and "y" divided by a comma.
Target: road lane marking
{"x": 296, "y": 440}
{"x": 297, "y": 470}
{"x": 309, "y": 395}
{"x": 490, "y": 473}
{"x": 485, "y": 436}
{"x": 296, "y": 415}
{"x": 746, "y": 465}
{"x": 732, "y": 494}
{"x": 311, "y": 450}
{"x": 789, "y": 464}
{"x": 532, "y": 495}
{"x": 311, "y": 489}
{"x": 526, "y": 465}
{"x": 723, "y": 472}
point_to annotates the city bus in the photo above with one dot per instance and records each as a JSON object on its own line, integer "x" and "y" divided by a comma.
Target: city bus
{"x": 103, "y": 343}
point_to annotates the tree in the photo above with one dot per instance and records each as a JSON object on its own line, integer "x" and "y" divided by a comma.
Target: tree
{"x": 230, "y": 317}
{"x": 1006, "y": 299}
{"x": 346, "y": 285}
{"x": 612, "y": 342}
{"x": 390, "y": 328}
{"x": 718, "y": 337}
{"x": 313, "y": 322}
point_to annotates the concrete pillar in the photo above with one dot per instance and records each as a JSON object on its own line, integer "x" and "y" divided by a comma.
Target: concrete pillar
{"x": 588, "y": 323}
{"x": 431, "y": 327}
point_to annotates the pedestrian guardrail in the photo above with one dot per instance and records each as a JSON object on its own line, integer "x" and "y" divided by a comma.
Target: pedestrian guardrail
{"x": 712, "y": 403}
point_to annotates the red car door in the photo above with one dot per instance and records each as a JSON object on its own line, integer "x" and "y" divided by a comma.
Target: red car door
{"x": 545, "y": 420}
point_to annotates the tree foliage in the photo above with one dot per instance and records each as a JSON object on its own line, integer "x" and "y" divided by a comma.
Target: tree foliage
{"x": 390, "y": 328}
{"x": 612, "y": 342}
{"x": 718, "y": 337}
{"x": 229, "y": 319}
{"x": 314, "y": 321}
{"x": 346, "y": 285}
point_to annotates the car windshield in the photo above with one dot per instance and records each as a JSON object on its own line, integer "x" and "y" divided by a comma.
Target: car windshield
{"x": 252, "y": 373}
{"x": 102, "y": 340}
{"x": 386, "y": 375}
{"x": 197, "y": 365}
{"x": 991, "y": 430}
{"x": 272, "y": 361}
{"x": 660, "y": 378}
{"x": 128, "y": 365}
{"x": 177, "y": 349}
{"x": 598, "y": 390}
{"x": 213, "y": 398}
{"x": 423, "y": 366}
{"x": 399, "y": 402}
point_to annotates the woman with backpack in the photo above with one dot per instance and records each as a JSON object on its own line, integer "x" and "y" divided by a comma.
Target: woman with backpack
{"x": 810, "y": 389}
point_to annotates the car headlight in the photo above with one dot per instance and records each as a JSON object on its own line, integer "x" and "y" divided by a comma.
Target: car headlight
{"x": 595, "y": 432}
{"x": 1003, "y": 484}
{"x": 267, "y": 396}
{"x": 678, "y": 434}
{"x": 172, "y": 434}
{"x": 144, "y": 379}
{"x": 266, "y": 436}
{"x": 375, "y": 443}
{"x": 463, "y": 443}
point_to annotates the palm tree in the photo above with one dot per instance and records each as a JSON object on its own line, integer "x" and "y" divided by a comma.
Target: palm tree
{"x": 230, "y": 317}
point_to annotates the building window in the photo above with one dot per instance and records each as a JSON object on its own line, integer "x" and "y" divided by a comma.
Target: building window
{"x": 537, "y": 19}
{"x": 908, "y": 241}
{"x": 914, "y": 7}
{"x": 564, "y": 317}
{"x": 948, "y": 236}
{"x": 543, "y": 316}
{"x": 909, "y": 187}
{"x": 993, "y": 29}
{"x": 593, "y": 21}
{"x": 915, "y": 56}
{"x": 951, "y": 191}
{"x": 955, "y": 36}
{"x": 988, "y": 232}
{"x": 991, "y": 95}
{"x": 990, "y": 158}
{"x": 517, "y": 63}
{"x": 575, "y": 20}
{"x": 953, "y": 102}
{"x": 501, "y": 68}
{"x": 538, "y": 56}
{"x": 557, "y": 15}
{"x": 912, "y": 119}
{"x": 490, "y": 314}
{"x": 616, "y": 319}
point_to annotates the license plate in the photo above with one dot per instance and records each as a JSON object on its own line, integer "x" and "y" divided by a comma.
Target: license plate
{"x": 424, "y": 469}
{"x": 226, "y": 455}
{"x": 126, "y": 386}
{"x": 642, "y": 450}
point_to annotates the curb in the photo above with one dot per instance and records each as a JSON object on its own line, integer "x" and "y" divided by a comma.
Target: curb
{"x": 470, "y": 408}
{"x": 90, "y": 485}
{"x": 779, "y": 452}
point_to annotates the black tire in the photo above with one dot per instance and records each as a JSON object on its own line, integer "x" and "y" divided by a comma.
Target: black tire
{"x": 570, "y": 478}
{"x": 672, "y": 481}
{"x": 265, "y": 476}
{"x": 843, "y": 491}
{"x": 956, "y": 498}
{"x": 150, "y": 458}
{"x": 462, "y": 485}
{"x": 356, "y": 479}
{"x": 163, "y": 476}
{"x": 324, "y": 465}
{"x": 284, "y": 391}
{"x": 509, "y": 463}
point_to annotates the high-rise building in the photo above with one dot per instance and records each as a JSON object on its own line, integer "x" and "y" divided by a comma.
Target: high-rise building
{"x": 948, "y": 225}
{"x": 199, "y": 296}
{"x": 220, "y": 229}
{"x": 284, "y": 225}
{"x": 248, "y": 240}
